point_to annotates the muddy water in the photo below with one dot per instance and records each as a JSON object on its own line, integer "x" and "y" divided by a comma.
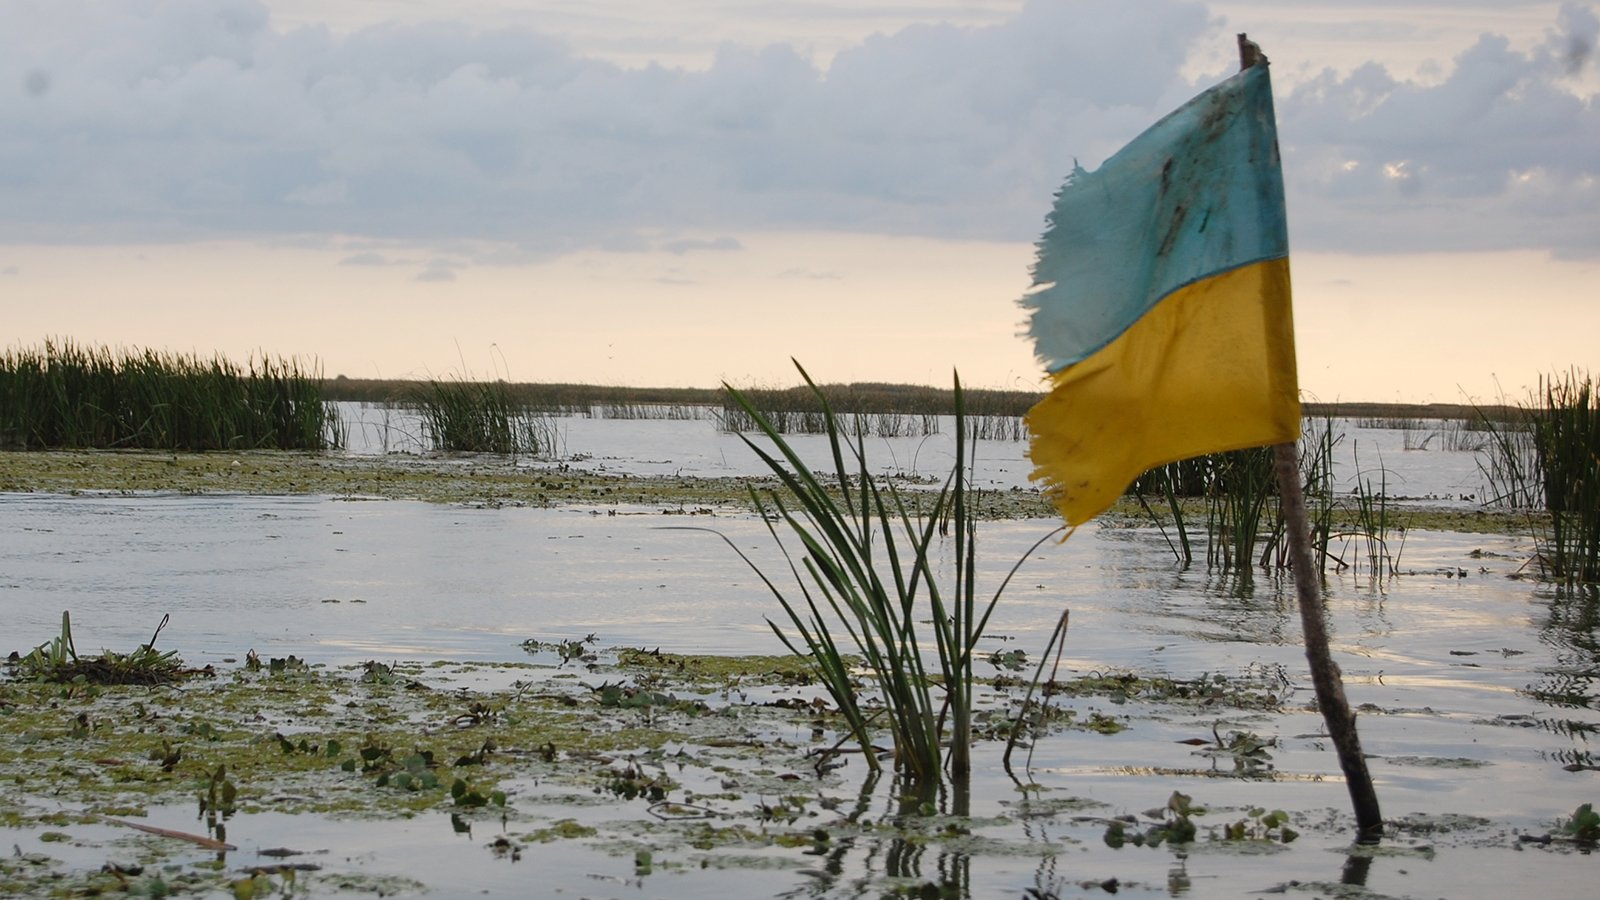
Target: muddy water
{"x": 1478, "y": 689}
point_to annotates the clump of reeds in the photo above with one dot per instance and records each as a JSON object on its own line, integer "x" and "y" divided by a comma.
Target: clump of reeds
{"x": 66, "y": 396}
{"x": 1459, "y": 436}
{"x": 1237, "y": 495}
{"x": 1546, "y": 457}
{"x": 1317, "y": 441}
{"x": 866, "y": 565}
{"x": 1454, "y": 435}
{"x": 1566, "y": 437}
{"x": 1510, "y": 467}
{"x": 1235, "y": 488}
{"x": 479, "y": 417}
{"x": 1241, "y": 485}
{"x": 1373, "y": 519}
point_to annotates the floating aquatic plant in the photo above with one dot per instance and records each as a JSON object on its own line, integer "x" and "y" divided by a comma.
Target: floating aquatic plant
{"x": 1583, "y": 826}
{"x": 58, "y": 660}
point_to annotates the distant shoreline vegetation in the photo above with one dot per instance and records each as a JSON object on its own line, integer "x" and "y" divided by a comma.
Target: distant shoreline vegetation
{"x": 614, "y": 401}
{"x": 66, "y": 395}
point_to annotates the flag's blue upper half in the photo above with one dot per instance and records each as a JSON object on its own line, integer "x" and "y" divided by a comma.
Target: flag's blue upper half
{"x": 1184, "y": 201}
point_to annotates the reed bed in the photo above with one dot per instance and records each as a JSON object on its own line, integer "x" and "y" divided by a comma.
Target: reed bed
{"x": 479, "y": 417}
{"x": 1460, "y": 436}
{"x": 1237, "y": 507}
{"x": 1389, "y": 422}
{"x": 1374, "y": 522}
{"x": 865, "y": 410}
{"x": 63, "y": 395}
{"x": 1317, "y": 443}
{"x": 567, "y": 398}
{"x": 1452, "y": 435}
{"x": 677, "y": 412}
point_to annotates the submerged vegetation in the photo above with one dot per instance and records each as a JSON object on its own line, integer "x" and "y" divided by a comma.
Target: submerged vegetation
{"x": 62, "y": 395}
{"x": 620, "y": 758}
{"x": 283, "y": 777}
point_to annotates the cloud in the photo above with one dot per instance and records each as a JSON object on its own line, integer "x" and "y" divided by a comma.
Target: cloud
{"x": 722, "y": 244}
{"x": 36, "y": 83}
{"x": 810, "y": 275}
{"x": 1498, "y": 154}
{"x": 438, "y": 270}
{"x": 1573, "y": 44}
{"x": 196, "y": 119}
{"x": 366, "y": 258}
{"x": 328, "y": 193}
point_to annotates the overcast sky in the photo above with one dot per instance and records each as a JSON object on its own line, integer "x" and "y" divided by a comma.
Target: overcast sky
{"x": 625, "y": 191}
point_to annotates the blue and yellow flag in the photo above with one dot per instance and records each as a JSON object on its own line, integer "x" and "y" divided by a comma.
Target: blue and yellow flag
{"x": 1160, "y": 304}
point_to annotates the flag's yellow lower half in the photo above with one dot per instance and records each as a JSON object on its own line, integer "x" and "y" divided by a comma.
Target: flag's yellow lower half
{"x": 1210, "y": 368}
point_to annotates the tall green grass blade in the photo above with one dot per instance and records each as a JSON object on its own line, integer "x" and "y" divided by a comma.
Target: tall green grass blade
{"x": 868, "y": 566}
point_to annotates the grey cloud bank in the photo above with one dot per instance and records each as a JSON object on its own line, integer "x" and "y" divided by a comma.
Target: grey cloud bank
{"x": 202, "y": 119}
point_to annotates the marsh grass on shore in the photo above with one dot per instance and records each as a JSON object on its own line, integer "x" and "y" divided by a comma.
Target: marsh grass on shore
{"x": 63, "y": 395}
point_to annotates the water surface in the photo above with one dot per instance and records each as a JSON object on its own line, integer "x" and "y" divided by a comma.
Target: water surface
{"x": 1478, "y": 687}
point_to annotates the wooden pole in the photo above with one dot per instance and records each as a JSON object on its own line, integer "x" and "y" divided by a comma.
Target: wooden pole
{"x": 1324, "y": 671}
{"x": 1325, "y": 676}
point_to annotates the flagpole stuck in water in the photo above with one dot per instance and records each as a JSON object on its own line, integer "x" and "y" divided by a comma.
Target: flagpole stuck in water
{"x": 1325, "y": 675}
{"x": 1161, "y": 309}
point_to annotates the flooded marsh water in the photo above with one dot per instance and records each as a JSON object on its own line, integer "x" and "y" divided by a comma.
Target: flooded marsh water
{"x": 1478, "y": 691}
